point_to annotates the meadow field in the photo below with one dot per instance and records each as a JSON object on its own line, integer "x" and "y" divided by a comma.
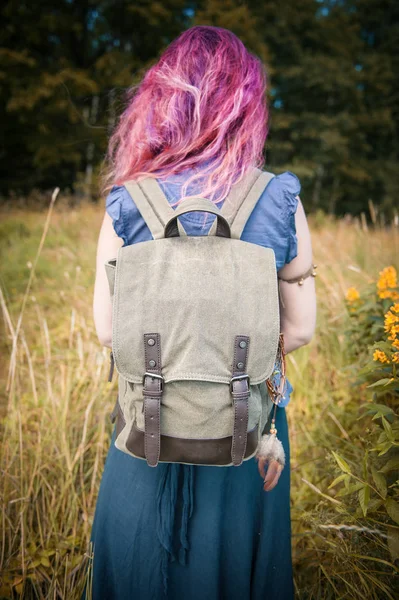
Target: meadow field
{"x": 56, "y": 401}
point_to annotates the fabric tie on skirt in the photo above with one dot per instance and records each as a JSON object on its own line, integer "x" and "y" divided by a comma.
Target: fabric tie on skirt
{"x": 175, "y": 490}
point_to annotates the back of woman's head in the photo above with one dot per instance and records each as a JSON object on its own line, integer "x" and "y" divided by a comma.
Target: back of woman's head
{"x": 204, "y": 101}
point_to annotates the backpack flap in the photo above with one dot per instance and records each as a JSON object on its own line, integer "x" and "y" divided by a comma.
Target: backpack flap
{"x": 198, "y": 293}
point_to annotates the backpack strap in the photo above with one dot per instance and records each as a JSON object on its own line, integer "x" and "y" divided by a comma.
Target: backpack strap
{"x": 153, "y": 205}
{"x": 242, "y": 200}
{"x": 152, "y": 397}
{"x": 202, "y": 205}
{"x": 240, "y": 391}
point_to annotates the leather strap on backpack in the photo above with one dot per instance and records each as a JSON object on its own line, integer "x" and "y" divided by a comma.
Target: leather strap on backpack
{"x": 239, "y": 387}
{"x": 152, "y": 392}
{"x": 197, "y": 204}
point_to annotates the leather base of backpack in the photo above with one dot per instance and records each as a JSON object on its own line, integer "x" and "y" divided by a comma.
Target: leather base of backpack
{"x": 212, "y": 451}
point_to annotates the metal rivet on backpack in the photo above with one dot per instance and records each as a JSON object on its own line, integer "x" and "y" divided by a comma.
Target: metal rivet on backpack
{"x": 150, "y": 341}
{"x": 240, "y": 365}
{"x": 152, "y": 363}
{"x": 243, "y": 344}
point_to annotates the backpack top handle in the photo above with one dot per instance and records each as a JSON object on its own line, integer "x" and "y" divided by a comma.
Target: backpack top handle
{"x": 201, "y": 205}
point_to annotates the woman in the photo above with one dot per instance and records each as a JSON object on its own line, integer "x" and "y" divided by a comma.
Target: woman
{"x": 198, "y": 123}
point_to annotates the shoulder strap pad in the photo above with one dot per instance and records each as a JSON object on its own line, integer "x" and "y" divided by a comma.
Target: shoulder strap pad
{"x": 153, "y": 205}
{"x": 242, "y": 200}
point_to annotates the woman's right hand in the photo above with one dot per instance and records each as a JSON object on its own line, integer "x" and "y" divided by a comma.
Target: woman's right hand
{"x": 274, "y": 469}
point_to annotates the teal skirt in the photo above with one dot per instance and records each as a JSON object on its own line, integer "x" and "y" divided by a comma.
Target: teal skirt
{"x": 182, "y": 532}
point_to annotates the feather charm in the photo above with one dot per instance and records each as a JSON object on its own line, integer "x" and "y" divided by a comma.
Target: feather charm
{"x": 270, "y": 447}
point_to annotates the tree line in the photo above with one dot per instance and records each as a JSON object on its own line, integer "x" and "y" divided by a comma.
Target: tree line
{"x": 333, "y": 69}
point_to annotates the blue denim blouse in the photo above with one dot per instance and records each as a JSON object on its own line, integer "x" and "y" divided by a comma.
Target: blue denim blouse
{"x": 271, "y": 224}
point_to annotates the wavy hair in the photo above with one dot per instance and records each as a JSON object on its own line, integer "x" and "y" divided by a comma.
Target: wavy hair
{"x": 202, "y": 103}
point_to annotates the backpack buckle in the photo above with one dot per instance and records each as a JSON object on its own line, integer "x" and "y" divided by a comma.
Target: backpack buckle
{"x": 154, "y": 376}
{"x": 238, "y": 378}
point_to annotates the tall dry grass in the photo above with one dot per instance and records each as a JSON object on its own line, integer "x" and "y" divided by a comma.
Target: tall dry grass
{"x": 55, "y": 404}
{"x": 56, "y": 401}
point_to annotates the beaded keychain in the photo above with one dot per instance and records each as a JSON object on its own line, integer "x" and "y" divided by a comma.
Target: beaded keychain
{"x": 270, "y": 446}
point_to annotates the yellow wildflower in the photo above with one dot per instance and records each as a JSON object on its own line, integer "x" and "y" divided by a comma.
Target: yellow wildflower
{"x": 391, "y": 324}
{"x": 395, "y": 344}
{"x": 352, "y": 295}
{"x": 390, "y": 319}
{"x": 395, "y": 357}
{"x": 388, "y": 278}
{"x": 387, "y": 283}
{"x": 394, "y": 331}
{"x": 380, "y": 356}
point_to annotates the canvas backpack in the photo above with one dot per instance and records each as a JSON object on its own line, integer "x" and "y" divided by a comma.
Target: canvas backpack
{"x": 195, "y": 331}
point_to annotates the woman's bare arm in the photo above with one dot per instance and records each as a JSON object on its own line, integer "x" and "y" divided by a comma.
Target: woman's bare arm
{"x": 107, "y": 248}
{"x": 298, "y": 302}
{"x": 298, "y": 317}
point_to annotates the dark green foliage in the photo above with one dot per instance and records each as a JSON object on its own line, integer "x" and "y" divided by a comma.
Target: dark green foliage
{"x": 63, "y": 69}
{"x": 333, "y": 71}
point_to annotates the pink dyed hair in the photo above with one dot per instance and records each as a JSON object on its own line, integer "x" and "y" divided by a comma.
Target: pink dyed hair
{"x": 204, "y": 100}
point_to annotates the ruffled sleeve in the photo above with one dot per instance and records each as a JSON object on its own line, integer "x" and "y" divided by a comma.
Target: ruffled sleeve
{"x": 289, "y": 190}
{"x": 114, "y": 207}
{"x": 272, "y": 223}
